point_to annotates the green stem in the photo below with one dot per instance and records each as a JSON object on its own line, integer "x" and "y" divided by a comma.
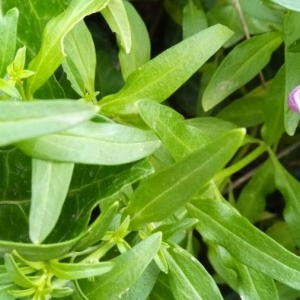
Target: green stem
{"x": 101, "y": 251}
{"x": 241, "y": 164}
{"x": 21, "y": 90}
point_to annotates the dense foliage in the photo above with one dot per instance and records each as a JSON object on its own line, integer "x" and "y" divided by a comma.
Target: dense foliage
{"x": 135, "y": 173}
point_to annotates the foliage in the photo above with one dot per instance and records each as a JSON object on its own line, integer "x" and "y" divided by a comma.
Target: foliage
{"x": 126, "y": 176}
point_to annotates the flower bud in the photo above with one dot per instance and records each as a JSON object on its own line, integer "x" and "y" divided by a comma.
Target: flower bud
{"x": 294, "y": 99}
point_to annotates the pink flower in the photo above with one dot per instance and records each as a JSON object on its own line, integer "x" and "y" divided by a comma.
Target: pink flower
{"x": 294, "y": 99}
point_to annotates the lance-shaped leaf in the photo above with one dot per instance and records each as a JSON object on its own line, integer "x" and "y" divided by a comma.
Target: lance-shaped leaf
{"x": 51, "y": 52}
{"x": 164, "y": 74}
{"x": 8, "y": 38}
{"x": 50, "y": 183}
{"x": 24, "y": 120}
{"x": 247, "y": 282}
{"x": 221, "y": 224}
{"x": 240, "y": 65}
{"x": 290, "y": 188}
{"x": 188, "y": 278}
{"x": 140, "y": 43}
{"x": 164, "y": 193}
{"x": 179, "y": 138}
{"x": 128, "y": 268}
{"x": 75, "y": 271}
{"x": 116, "y": 17}
{"x": 80, "y": 63}
{"x": 291, "y": 33}
{"x": 94, "y": 143}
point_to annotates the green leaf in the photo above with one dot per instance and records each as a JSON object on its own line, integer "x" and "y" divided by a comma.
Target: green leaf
{"x": 116, "y": 17}
{"x": 38, "y": 252}
{"x": 252, "y": 200}
{"x": 188, "y": 278}
{"x": 153, "y": 201}
{"x": 221, "y": 224}
{"x": 24, "y": 120}
{"x": 8, "y": 38}
{"x": 289, "y": 4}
{"x": 161, "y": 290}
{"x": 179, "y": 139}
{"x": 97, "y": 230}
{"x": 244, "y": 112}
{"x": 273, "y": 108}
{"x": 290, "y": 189}
{"x": 9, "y": 89}
{"x": 16, "y": 274}
{"x": 51, "y": 53}
{"x": 140, "y": 43}
{"x": 248, "y": 283}
{"x": 89, "y": 186}
{"x": 50, "y": 183}
{"x": 169, "y": 229}
{"x": 164, "y": 74}
{"x": 80, "y": 63}
{"x": 127, "y": 270}
{"x": 143, "y": 286}
{"x": 193, "y": 19}
{"x": 94, "y": 143}
{"x": 75, "y": 271}
{"x": 291, "y": 33}
{"x": 4, "y": 291}
{"x": 240, "y": 65}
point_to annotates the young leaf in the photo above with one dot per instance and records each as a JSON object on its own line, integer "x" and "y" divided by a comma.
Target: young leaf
{"x": 99, "y": 227}
{"x": 221, "y": 224}
{"x": 24, "y": 120}
{"x": 8, "y": 38}
{"x": 51, "y": 52}
{"x": 75, "y": 271}
{"x": 273, "y": 109}
{"x": 94, "y": 143}
{"x": 179, "y": 139}
{"x": 239, "y": 66}
{"x": 290, "y": 188}
{"x": 165, "y": 192}
{"x": 188, "y": 278}
{"x": 164, "y": 74}
{"x": 50, "y": 183}
{"x": 140, "y": 43}
{"x": 128, "y": 268}
{"x": 116, "y": 17}
{"x": 80, "y": 63}
{"x": 193, "y": 19}
{"x": 291, "y": 32}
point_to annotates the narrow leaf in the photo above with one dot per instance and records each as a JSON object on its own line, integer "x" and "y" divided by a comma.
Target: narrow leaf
{"x": 291, "y": 33}
{"x": 94, "y": 143}
{"x": 8, "y": 38}
{"x": 50, "y": 183}
{"x": 70, "y": 271}
{"x": 127, "y": 270}
{"x": 290, "y": 188}
{"x": 51, "y": 52}
{"x": 164, "y": 74}
{"x": 140, "y": 43}
{"x": 165, "y": 192}
{"x": 188, "y": 278}
{"x": 240, "y": 65}
{"x": 222, "y": 225}
{"x": 116, "y": 17}
{"x": 179, "y": 138}
{"x": 24, "y": 120}
{"x": 80, "y": 63}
